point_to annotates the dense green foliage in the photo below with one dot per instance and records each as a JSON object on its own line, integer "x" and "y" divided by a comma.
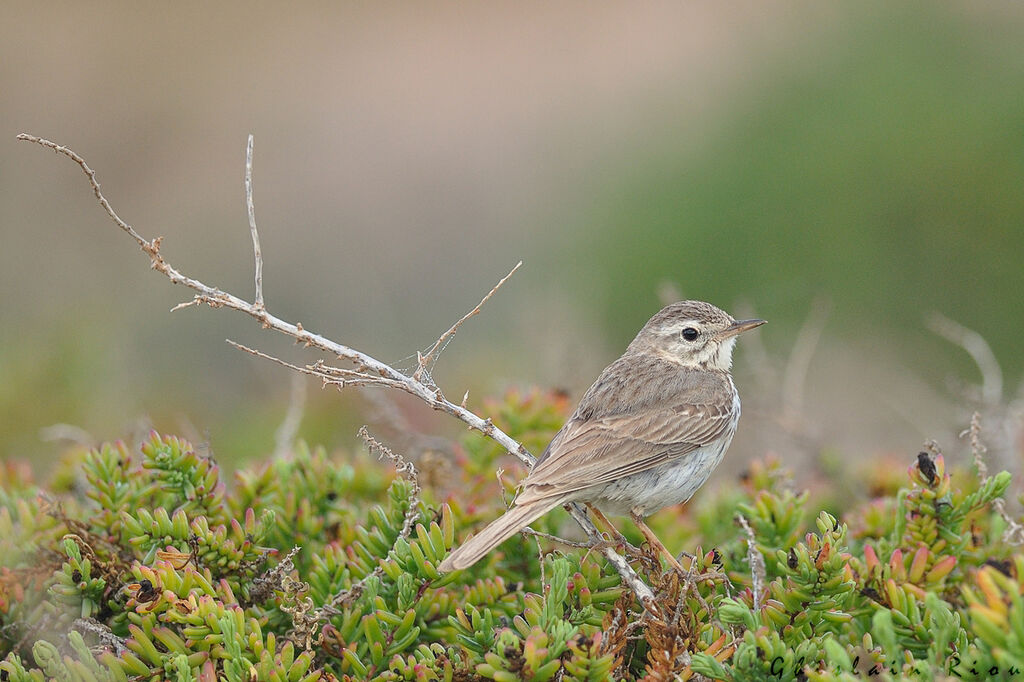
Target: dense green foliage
{"x": 141, "y": 564}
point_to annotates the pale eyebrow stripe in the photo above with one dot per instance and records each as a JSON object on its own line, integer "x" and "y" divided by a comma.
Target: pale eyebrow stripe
{"x": 680, "y": 326}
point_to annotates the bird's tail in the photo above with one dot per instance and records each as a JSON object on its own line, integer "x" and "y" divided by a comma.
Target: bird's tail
{"x": 499, "y": 530}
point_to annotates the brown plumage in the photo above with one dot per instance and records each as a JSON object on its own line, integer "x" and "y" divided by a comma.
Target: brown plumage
{"x": 645, "y": 435}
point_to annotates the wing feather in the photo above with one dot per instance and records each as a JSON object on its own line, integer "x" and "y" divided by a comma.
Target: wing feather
{"x": 611, "y": 436}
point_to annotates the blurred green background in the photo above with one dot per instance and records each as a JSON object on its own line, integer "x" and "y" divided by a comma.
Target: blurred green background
{"x": 774, "y": 158}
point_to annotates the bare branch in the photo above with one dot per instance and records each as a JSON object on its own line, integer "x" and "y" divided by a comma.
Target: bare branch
{"x": 407, "y": 470}
{"x": 979, "y": 350}
{"x": 260, "y": 354}
{"x": 978, "y": 448}
{"x": 368, "y": 370}
{"x": 338, "y": 377}
{"x": 404, "y": 468}
{"x": 295, "y": 600}
{"x": 251, "y": 208}
{"x": 554, "y": 538}
{"x": 625, "y": 571}
{"x": 146, "y": 246}
{"x": 757, "y": 567}
{"x": 264, "y": 585}
{"x": 424, "y": 360}
{"x": 104, "y": 635}
{"x": 1014, "y": 533}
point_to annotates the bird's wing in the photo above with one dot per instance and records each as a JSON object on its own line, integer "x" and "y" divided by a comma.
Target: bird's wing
{"x": 595, "y": 448}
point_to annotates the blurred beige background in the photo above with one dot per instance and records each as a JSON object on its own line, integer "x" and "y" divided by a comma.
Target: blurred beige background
{"x": 769, "y": 157}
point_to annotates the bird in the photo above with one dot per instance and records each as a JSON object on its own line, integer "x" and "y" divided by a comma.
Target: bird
{"x": 646, "y": 435}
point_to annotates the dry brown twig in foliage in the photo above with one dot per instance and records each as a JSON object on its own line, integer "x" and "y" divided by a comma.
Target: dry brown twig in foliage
{"x": 756, "y": 560}
{"x": 1014, "y": 533}
{"x": 365, "y": 371}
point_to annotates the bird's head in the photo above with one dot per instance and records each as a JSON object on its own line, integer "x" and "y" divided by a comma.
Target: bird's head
{"x": 692, "y": 333}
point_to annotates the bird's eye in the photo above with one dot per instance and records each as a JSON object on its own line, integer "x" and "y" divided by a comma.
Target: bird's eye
{"x": 690, "y": 334}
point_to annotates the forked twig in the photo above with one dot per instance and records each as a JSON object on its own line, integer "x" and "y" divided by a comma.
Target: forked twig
{"x": 367, "y": 371}
{"x": 370, "y": 369}
{"x": 423, "y": 360}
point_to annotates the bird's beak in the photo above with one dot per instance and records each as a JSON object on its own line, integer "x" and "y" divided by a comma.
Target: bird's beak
{"x": 740, "y": 326}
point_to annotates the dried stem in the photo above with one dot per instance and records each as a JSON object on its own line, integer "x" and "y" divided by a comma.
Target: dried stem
{"x": 556, "y": 539}
{"x": 251, "y": 208}
{"x": 978, "y": 448}
{"x": 406, "y": 469}
{"x": 272, "y": 580}
{"x": 368, "y": 371}
{"x": 757, "y": 567}
{"x": 424, "y": 360}
{"x": 1014, "y": 533}
{"x": 103, "y": 634}
{"x": 294, "y": 601}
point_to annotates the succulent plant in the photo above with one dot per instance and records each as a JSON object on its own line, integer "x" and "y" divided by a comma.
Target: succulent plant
{"x": 316, "y": 567}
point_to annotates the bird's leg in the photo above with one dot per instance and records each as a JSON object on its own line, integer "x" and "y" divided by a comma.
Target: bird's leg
{"x": 654, "y": 542}
{"x": 617, "y": 537}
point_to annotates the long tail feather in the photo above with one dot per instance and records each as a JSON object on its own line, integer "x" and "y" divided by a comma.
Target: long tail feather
{"x": 501, "y": 529}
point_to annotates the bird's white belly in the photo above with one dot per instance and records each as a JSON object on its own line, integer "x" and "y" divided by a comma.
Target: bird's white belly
{"x": 666, "y": 485}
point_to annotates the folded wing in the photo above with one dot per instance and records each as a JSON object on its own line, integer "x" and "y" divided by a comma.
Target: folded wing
{"x": 597, "y": 447}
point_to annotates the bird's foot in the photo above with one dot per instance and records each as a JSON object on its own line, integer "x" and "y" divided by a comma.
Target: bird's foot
{"x": 658, "y": 546}
{"x": 613, "y": 538}
{"x": 619, "y": 543}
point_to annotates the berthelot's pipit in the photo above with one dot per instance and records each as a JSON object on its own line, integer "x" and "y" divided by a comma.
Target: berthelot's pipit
{"x": 645, "y": 436}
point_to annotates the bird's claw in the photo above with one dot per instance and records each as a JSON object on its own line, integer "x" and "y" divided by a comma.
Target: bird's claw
{"x": 619, "y": 543}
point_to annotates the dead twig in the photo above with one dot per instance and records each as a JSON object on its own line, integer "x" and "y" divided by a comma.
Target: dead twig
{"x": 272, "y": 581}
{"x": 295, "y": 602}
{"x": 104, "y": 635}
{"x": 406, "y": 469}
{"x": 403, "y": 468}
{"x": 251, "y": 209}
{"x": 424, "y": 360}
{"x": 368, "y": 371}
{"x": 757, "y": 567}
{"x": 1014, "y": 533}
{"x": 554, "y": 538}
{"x": 978, "y": 448}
